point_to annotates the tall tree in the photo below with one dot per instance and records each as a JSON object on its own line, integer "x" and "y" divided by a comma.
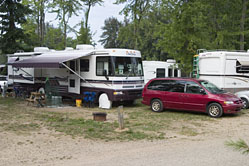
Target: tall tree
{"x": 138, "y": 10}
{"x": 110, "y": 33}
{"x": 38, "y": 16}
{"x": 242, "y": 24}
{"x": 88, "y": 5}
{"x": 84, "y": 36}
{"x": 65, "y": 9}
{"x": 11, "y": 16}
{"x": 54, "y": 38}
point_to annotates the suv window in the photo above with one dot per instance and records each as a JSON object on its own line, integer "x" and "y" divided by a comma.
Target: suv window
{"x": 193, "y": 87}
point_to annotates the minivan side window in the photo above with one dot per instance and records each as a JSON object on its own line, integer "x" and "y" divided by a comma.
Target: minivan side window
{"x": 178, "y": 86}
{"x": 161, "y": 85}
{"x": 193, "y": 87}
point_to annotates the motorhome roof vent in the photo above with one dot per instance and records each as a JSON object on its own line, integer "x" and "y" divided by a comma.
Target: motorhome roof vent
{"x": 69, "y": 49}
{"x": 41, "y": 49}
{"x": 171, "y": 61}
{"x": 84, "y": 47}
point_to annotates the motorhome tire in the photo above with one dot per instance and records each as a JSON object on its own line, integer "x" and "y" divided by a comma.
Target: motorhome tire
{"x": 156, "y": 105}
{"x": 214, "y": 110}
{"x": 245, "y": 103}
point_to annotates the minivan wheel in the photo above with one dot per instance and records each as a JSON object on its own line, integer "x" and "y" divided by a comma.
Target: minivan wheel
{"x": 214, "y": 110}
{"x": 156, "y": 105}
{"x": 245, "y": 103}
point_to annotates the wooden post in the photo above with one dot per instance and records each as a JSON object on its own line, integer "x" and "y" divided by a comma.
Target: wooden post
{"x": 121, "y": 117}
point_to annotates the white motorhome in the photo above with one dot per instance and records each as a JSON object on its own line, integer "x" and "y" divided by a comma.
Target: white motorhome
{"x": 228, "y": 70}
{"x": 160, "y": 69}
{"x": 114, "y": 74}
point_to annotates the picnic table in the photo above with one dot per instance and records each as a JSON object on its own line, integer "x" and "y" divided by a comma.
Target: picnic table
{"x": 36, "y": 98}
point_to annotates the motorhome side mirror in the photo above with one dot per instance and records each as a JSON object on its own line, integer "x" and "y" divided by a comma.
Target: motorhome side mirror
{"x": 105, "y": 73}
{"x": 202, "y": 91}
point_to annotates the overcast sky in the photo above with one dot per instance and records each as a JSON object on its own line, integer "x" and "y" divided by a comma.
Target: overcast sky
{"x": 98, "y": 15}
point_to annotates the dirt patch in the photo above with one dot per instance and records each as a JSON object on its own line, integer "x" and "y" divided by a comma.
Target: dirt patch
{"x": 30, "y": 140}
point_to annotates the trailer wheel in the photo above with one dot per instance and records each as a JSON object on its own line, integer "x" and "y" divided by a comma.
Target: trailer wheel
{"x": 245, "y": 103}
{"x": 104, "y": 101}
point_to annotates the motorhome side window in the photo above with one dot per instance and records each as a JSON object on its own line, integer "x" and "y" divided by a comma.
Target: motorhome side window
{"x": 242, "y": 67}
{"x": 84, "y": 65}
{"x": 72, "y": 66}
{"x": 104, "y": 66}
{"x": 160, "y": 73}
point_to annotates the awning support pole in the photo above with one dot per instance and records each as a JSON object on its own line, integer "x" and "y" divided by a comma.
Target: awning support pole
{"x": 76, "y": 74}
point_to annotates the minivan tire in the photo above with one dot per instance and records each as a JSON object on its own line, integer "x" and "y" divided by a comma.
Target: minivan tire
{"x": 214, "y": 110}
{"x": 245, "y": 103}
{"x": 156, "y": 105}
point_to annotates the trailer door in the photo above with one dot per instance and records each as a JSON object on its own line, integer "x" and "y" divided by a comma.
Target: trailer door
{"x": 73, "y": 79}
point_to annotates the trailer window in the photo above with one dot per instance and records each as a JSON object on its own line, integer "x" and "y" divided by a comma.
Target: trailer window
{"x": 242, "y": 67}
{"x": 175, "y": 73}
{"x": 160, "y": 73}
{"x": 170, "y": 72}
{"x": 84, "y": 65}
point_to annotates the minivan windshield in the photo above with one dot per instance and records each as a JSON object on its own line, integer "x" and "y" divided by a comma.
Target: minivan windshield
{"x": 211, "y": 87}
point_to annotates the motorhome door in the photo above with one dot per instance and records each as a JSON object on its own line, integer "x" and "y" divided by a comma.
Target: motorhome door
{"x": 73, "y": 79}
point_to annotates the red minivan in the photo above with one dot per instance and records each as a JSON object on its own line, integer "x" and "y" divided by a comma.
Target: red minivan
{"x": 189, "y": 94}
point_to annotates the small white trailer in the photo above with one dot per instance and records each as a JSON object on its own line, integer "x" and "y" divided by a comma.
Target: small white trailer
{"x": 228, "y": 70}
{"x": 113, "y": 74}
{"x": 160, "y": 69}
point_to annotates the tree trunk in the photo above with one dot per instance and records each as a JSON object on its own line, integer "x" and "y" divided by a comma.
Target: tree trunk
{"x": 42, "y": 20}
{"x": 242, "y": 24}
{"x": 64, "y": 27}
{"x": 87, "y": 15}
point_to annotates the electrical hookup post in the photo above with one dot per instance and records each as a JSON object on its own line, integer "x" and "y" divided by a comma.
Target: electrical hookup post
{"x": 121, "y": 120}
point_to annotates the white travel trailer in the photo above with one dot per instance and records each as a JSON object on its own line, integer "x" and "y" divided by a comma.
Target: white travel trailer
{"x": 114, "y": 74}
{"x": 228, "y": 70}
{"x": 160, "y": 69}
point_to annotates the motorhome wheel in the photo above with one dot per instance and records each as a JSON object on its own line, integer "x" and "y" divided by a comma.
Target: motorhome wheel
{"x": 104, "y": 101}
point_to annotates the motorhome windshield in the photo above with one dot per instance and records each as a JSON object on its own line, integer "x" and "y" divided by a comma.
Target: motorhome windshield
{"x": 119, "y": 66}
{"x": 211, "y": 87}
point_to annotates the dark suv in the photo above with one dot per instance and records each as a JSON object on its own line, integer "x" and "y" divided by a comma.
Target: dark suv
{"x": 189, "y": 94}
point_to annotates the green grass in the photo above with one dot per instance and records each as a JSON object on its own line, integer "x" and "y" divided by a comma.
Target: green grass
{"x": 141, "y": 122}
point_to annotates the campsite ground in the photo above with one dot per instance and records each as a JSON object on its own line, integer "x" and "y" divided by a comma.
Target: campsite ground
{"x": 68, "y": 136}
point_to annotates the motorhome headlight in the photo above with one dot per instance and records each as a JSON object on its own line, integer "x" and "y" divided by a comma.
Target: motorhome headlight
{"x": 228, "y": 102}
{"x": 118, "y": 93}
